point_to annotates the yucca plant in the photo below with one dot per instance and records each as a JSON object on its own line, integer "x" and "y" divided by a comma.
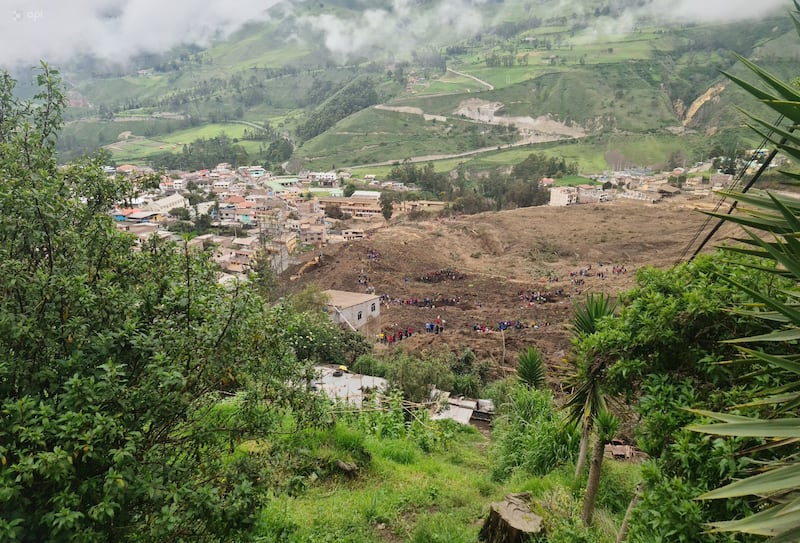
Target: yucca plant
{"x": 530, "y": 368}
{"x": 587, "y": 398}
{"x": 588, "y": 314}
{"x": 772, "y": 225}
{"x": 606, "y": 426}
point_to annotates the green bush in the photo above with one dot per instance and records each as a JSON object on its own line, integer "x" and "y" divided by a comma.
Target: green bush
{"x": 668, "y": 510}
{"x": 530, "y": 434}
{"x": 617, "y": 486}
{"x": 416, "y": 376}
{"x": 368, "y": 364}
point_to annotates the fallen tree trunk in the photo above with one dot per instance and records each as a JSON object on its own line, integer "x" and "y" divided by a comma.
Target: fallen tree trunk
{"x": 511, "y": 521}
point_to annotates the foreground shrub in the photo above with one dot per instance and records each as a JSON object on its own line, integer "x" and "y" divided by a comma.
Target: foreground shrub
{"x": 530, "y": 434}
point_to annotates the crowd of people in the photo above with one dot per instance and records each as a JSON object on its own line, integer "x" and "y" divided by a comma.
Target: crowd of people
{"x": 508, "y": 325}
{"x": 530, "y": 296}
{"x": 393, "y": 336}
{"x": 425, "y": 301}
{"x": 445, "y": 274}
{"x": 435, "y": 327}
{"x": 540, "y": 296}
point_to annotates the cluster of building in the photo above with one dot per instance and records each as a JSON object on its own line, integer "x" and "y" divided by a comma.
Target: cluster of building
{"x": 276, "y": 214}
{"x": 637, "y": 185}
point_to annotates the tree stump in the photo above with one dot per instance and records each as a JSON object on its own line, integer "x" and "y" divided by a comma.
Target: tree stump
{"x": 512, "y": 521}
{"x": 348, "y": 468}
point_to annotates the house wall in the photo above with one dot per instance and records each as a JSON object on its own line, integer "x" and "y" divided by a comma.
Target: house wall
{"x": 562, "y": 197}
{"x": 370, "y": 321}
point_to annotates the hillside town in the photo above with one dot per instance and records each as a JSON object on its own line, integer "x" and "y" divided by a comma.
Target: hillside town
{"x": 248, "y": 210}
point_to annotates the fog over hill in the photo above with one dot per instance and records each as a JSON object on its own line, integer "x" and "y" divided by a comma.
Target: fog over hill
{"x": 117, "y": 30}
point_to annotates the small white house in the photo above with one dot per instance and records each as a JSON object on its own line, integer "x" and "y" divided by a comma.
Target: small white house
{"x": 357, "y": 311}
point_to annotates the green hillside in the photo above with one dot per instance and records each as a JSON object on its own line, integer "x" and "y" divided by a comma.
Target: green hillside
{"x": 656, "y": 79}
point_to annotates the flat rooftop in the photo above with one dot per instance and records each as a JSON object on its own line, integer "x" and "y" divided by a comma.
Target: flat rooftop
{"x": 343, "y": 298}
{"x": 346, "y": 386}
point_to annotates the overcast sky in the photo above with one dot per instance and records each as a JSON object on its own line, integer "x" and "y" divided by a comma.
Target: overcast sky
{"x": 56, "y": 30}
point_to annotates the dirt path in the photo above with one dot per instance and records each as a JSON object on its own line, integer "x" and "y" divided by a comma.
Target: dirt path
{"x": 486, "y": 84}
{"x": 428, "y": 158}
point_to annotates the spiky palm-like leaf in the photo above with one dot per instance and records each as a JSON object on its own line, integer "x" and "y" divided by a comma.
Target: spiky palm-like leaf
{"x": 587, "y": 314}
{"x": 530, "y": 368}
{"x": 772, "y": 227}
{"x": 586, "y": 399}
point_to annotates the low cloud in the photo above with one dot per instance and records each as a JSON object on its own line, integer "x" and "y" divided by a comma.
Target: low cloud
{"x": 116, "y": 30}
{"x": 57, "y": 30}
{"x": 398, "y": 29}
{"x": 716, "y": 11}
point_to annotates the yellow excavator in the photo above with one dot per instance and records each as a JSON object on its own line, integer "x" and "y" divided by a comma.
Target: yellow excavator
{"x": 311, "y": 264}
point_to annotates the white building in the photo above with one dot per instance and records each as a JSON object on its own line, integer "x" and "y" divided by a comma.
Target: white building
{"x": 168, "y": 202}
{"x": 371, "y": 194}
{"x": 256, "y": 171}
{"x": 355, "y": 310}
{"x": 563, "y": 196}
{"x": 325, "y": 179}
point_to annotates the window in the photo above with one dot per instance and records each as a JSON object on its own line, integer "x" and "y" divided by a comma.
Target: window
{"x": 359, "y": 315}
{"x": 373, "y": 307}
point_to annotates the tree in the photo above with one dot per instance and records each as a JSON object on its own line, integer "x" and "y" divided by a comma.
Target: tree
{"x": 387, "y": 200}
{"x": 334, "y": 211}
{"x": 116, "y": 358}
{"x": 587, "y": 398}
{"x": 607, "y": 425}
{"x": 180, "y": 213}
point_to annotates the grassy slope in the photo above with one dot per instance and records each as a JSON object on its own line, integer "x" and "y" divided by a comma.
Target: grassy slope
{"x": 406, "y": 494}
{"x": 590, "y": 153}
{"x": 397, "y": 493}
{"x": 374, "y": 135}
{"x": 608, "y": 82}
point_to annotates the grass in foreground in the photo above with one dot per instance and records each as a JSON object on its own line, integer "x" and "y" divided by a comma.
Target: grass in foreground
{"x": 404, "y": 494}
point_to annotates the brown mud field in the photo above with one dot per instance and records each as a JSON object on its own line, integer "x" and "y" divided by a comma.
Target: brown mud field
{"x": 526, "y": 267}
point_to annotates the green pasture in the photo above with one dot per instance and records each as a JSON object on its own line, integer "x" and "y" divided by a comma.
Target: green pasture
{"x": 207, "y": 131}
{"x": 382, "y": 172}
{"x": 138, "y": 150}
{"x": 374, "y": 135}
{"x": 573, "y": 180}
{"x": 449, "y": 83}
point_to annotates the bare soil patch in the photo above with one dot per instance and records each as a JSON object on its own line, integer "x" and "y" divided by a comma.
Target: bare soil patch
{"x": 503, "y": 255}
{"x": 533, "y": 129}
